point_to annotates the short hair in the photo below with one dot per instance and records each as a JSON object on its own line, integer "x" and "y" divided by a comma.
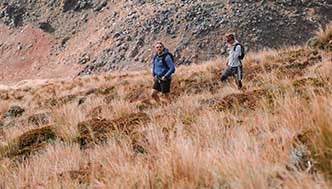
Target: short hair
{"x": 159, "y": 43}
{"x": 230, "y": 36}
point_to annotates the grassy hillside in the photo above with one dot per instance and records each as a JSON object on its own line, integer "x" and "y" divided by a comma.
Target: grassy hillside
{"x": 105, "y": 132}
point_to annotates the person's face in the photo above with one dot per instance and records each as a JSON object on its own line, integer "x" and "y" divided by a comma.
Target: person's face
{"x": 159, "y": 48}
{"x": 229, "y": 40}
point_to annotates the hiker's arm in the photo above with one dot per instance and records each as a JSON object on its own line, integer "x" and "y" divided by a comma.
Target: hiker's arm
{"x": 153, "y": 74}
{"x": 170, "y": 65}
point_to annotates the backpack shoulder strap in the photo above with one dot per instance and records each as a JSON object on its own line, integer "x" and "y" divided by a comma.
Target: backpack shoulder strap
{"x": 242, "y": 51}
{"x": 164, "y": 58}
{"x": 237, "y": 44}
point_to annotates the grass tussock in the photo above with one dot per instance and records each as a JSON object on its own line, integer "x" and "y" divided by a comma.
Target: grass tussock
{"x": 82, "y": 175}
{"x": 323, "y": 38}
{"x": 30, "y": 142}
{"x": 319, "y": 138}
{"x": 247, "y": 100}
{"x": 97, "y": 131}
{"x": 283, "y": 63}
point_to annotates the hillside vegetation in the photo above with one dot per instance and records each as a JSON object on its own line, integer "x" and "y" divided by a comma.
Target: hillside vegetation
{"x": 57, "y": 38}
{"x": 105, "y": 132}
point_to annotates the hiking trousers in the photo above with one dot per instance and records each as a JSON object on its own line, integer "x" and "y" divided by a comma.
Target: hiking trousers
{"x": 162, "y": 86}
{"x": 235, "y": 72}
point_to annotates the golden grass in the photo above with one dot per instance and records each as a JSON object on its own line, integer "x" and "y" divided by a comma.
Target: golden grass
{"x": 207, "y": 154}
{"x": 325, "y": 34}
{"x": 210, "y": 136}
{"x": 319, "y": 138}
{"x": 29, "y": 142}
{"x": 323, "y": 38}
{"x": 65, "y": 119}
{"x": 4, "y": 105}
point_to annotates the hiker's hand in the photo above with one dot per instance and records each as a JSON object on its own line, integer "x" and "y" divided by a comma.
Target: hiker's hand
{"x": 163, "y": 78}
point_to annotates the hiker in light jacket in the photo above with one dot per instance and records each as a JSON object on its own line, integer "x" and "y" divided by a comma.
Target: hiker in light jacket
{"x": 162, "y": 70}
{"x": 234, "y": 64}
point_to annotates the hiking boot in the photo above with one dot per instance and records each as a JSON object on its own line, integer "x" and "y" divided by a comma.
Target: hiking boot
{"x": 239, "y": 84}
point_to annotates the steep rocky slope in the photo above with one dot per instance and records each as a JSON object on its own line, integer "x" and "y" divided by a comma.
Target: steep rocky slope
{"x": 42, "y": 39}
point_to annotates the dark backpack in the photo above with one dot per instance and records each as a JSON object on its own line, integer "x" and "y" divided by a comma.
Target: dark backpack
{"x": 243, "y": 53}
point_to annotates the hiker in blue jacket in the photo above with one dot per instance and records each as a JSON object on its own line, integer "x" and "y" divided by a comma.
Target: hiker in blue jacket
{"x": 162, "y": 70}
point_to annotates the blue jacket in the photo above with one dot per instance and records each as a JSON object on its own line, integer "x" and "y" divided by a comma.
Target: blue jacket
{"x": 160, "y": 69}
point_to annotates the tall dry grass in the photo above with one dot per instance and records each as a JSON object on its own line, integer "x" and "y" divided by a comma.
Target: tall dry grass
{"x": 324, "y": 34}
{"x": 206, "y": 152}
{"x": 323, "y": 38}
{"x": 209, "y": 155}
{"x": 189, "y": 143}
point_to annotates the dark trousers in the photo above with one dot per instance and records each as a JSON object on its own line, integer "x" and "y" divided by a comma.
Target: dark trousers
{"x": 162, "y": 86}
{"x": 236, "y": 72}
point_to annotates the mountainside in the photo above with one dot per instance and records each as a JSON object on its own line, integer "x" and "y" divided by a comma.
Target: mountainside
{"x": 104, "y": 131}
{"x": 47, "y": 39}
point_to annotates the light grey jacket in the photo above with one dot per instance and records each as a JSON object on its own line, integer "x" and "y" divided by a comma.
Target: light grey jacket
{"x": 233, "y": 58}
